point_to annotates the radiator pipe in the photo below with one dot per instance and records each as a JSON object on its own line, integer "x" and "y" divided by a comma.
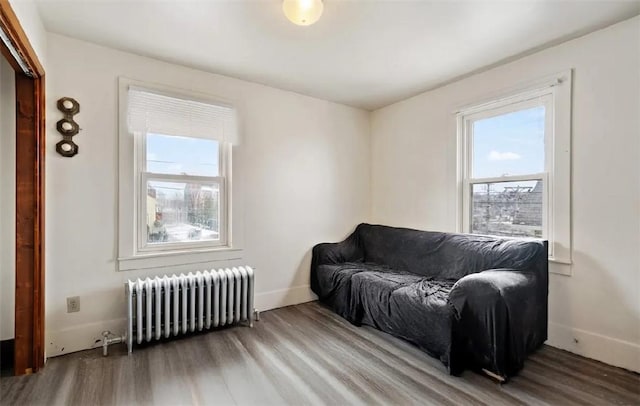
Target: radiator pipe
{"x": 106, "y": 341}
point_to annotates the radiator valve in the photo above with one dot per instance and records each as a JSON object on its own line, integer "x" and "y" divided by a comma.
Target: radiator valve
{"x": 108, "y": 340}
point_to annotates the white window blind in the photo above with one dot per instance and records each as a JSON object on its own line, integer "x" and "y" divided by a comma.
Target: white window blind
{"x": 153, "y": 112}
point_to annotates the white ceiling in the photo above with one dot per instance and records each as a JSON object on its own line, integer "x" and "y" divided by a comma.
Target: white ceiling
{"x": 362, "y": 53}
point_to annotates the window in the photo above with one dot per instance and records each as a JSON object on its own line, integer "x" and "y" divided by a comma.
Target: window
{"x": 179, "y": 171}
{"x": 182, "y": 198}
{"x": 507, "y": 177}
{"x": 514, "y": 166}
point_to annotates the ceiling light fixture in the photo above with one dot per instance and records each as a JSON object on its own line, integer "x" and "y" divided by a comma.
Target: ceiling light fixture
{"x": 302, "y": 12}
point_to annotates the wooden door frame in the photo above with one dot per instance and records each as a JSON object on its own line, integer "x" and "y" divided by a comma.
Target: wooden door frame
{"x": 30, "y": 154}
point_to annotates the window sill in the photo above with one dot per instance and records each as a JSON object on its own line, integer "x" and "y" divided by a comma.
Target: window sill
{"x": 203, "y": 257}
{"x": 560, "y": 266}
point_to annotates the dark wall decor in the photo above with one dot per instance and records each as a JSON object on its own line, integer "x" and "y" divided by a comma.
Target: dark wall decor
{"x": 67, "y": 127}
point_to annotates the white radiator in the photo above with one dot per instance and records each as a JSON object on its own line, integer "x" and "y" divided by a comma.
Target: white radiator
{"x": 171, "y": 305}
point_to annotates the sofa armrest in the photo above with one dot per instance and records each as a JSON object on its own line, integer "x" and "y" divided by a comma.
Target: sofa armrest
{"x": 479, "y": 289}
{"x": 334, "y": 253}
{"x": 500, "y": 316}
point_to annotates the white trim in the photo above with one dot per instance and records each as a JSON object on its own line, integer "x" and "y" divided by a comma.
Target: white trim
{"x": 284, "y": 297}
{"x": 566, "y": 271}
{"x": 610, "y": 350}
{"x": 461, "y": 153}
{"x": 560, "y": 185}
{"x": 503, "y": 96}
{"x": 558, "y": 267}
{"x": 181, "y": 178}
{"x": 226, "y": 216}
{"x": 510, "y": 178}
{"x": 167, "y": 259}
{"x": 80, "y": 337}
{"x": 504, "y": 105}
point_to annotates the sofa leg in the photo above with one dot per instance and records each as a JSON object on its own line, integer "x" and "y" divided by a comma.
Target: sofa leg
{"x": 493, "y": 375}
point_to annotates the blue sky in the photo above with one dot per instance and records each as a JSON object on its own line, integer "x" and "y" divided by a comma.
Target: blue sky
{"x": 180, "y": 155}
{"x": 509, "y": 144}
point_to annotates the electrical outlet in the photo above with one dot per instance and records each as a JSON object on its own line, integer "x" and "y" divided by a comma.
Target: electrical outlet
{"x": 73, "y": 304}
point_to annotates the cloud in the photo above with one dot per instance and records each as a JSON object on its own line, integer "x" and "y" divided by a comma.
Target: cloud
{"x": 503, "y": 156}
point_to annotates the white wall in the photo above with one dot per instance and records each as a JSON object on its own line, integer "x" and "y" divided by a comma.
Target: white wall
{"x": 301, "y": 172}
{"x": 596, "y": 311}
{"x": 7, "y": 199}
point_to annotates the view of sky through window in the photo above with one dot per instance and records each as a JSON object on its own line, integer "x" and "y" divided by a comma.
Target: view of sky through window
{"x": 509, "y": 144}
{"x": 182, "y": 156}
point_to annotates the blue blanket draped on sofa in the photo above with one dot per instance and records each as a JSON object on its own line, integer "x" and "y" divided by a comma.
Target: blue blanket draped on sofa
{"x": 473, "y": 301}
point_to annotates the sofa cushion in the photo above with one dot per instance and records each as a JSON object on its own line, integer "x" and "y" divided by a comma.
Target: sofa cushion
{"x": 334, "y": 286}
{"x": 406, "y": 305}
{"x": 422, "y": 315}
{"x": 371, "y": 292}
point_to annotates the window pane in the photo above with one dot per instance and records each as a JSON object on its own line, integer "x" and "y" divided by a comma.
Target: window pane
{"x": 182, "y": 212}
{"x": 507, "y": 208}
{"x": 509, "y": 144}
{"x": 173, "y": 155}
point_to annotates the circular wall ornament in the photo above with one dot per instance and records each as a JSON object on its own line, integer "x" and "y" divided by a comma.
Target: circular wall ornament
{"x": 68, "y": 127}
{"x": 69, "y": 105}
{"x": 67, "y": 148}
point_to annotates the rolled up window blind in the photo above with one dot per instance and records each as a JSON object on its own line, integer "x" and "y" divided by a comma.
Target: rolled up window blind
{"x": 149, "y": 111}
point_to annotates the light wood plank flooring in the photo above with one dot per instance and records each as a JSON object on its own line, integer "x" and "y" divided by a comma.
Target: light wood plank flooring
{"x": 305, "y": 354}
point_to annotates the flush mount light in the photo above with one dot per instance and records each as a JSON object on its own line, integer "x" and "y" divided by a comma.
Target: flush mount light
{"x": 302, "y": 12}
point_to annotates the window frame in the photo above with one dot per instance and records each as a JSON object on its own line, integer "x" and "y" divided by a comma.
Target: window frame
{"x": 132, "y": 254}
{"x": 554, "y": 93}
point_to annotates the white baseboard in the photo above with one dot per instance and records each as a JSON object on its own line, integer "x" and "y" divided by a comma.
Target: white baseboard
{"x": 284, "y": 297}
{"x": 609, "y": 350}
{"x": 84, "y": 336}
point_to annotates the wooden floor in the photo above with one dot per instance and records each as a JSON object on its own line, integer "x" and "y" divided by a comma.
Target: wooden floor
{"x": 307, "y": 355}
